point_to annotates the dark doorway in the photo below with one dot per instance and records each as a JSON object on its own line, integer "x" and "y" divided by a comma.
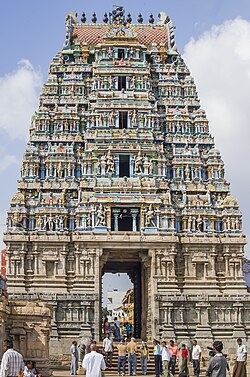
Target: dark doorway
{"x": 123, "y": 119}
{"x": 121, "y": 53}
{"x": 121, "y": 82}
{"x": 134, "y": 271}
{"x": 124, "y": 168}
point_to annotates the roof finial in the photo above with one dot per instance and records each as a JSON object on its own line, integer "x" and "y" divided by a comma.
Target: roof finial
{"x": 151, "y": 19}
{"x": 94, "y": 19}
{"x": 105, "y": 18}
{"x": 83, "y": 19}
{"x": 118, "y": 15}
{"x": 129, "y": 18}
{"x": 140, "y": 19}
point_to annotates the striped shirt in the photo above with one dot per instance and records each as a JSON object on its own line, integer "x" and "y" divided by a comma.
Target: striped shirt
{"x": 12, "y": 363}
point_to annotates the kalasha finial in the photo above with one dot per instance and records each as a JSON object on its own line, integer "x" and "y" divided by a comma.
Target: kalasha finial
{"x": 140, "y": 19}
{"x": 94, "y": 19}
{"x": 129, "y": 18}
{"x": 83, "y": 19}
{"x": 105, "y": 18}
{"x": 151, "y": 19}
{"x": 118, "y": 14}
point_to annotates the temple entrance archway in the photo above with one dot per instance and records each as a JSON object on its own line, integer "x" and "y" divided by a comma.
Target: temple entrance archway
{"x": 132, "y": 265}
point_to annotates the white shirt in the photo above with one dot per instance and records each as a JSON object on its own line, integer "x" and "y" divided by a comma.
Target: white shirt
{"x": 241, "y": 352}
{"x": 94, "y": 363}
{"x": 12, "y": 363}
{"x": 165, "y": 354}
{"x": 107, "y": 345}
{"x": 196, "y": 352}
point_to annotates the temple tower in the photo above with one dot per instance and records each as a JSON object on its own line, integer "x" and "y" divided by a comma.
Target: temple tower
{"x": 121, "y": 174}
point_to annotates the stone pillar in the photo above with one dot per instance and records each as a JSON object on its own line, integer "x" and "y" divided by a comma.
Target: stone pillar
{"x": 203, "y": 329}
{"x": 168, "y": 328}
{"x": 134, "y": 213}
{"x": 116, "y": 212}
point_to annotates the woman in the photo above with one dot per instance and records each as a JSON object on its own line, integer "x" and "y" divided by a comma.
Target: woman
{"x": 144, "y": 356}
{"x": 106, "y": 326}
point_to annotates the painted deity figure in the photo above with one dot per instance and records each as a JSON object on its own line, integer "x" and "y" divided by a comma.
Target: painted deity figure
{"x": 138, "y": 163}
{"x": 100, "y": 215}
{"x": 150, "y": 216}
{"x": 103, "y": 163}
{"x": 110, "y": 163}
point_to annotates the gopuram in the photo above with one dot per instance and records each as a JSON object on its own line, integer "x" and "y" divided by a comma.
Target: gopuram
{"x": 121, "y": 174}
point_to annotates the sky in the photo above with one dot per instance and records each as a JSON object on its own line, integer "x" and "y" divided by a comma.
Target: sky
{"x": 213, "y": 35}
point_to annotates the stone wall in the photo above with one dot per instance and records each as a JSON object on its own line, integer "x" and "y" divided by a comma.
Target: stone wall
{"x": 29, "y": 325}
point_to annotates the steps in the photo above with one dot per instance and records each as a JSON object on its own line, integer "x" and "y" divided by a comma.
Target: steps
{"x": 150, "y": 366}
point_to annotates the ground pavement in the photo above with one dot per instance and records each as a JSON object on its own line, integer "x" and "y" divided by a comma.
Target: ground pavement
{"x": 66, "y": 373}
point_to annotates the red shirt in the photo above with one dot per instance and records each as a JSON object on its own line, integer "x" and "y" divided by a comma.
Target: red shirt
{"x": 184, "y": 353}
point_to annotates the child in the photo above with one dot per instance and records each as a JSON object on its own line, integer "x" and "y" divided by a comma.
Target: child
{"x": 30, "y": 369}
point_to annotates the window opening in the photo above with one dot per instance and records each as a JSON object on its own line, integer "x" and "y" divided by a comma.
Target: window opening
{"x": 121, "y": 53}
{"x": 121, "y": 82}
{"x": 123, "y": 119}
{"x": 124, "y": 168}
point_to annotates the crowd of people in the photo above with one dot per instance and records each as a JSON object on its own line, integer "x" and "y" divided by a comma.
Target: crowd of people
{"x": 165, "y": 356}
{"x": 119, "y": 329}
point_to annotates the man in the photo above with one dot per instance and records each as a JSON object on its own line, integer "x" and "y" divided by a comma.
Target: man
{"x": 122, "y": 349}
{"x": 93, "y": 362}
{"x": 132, "y": 359}
{"x": 117, "y": 329}
{"x": 12, "y": 361}
{"x": 157, "y": 358}
{"x": 196, "y": 357}
{"x": 165, "y": 356}
{"x": 108, "y": 350}
{"x": 217, "y": 366}
{"x": 174, "y": 356}
{"x": 74, "y": 358}
{"x": 239, "y": 369}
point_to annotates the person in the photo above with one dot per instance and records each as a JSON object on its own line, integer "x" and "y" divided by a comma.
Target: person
{"x": 196, "y": 357}
{"x": 123, "y": 331}
{"x": 165, "y": 355}
{"x": 117, "y": 333}
{"x": 174, "y": 356}
{"x": 239, "y": 369}
{"x": 12, "y": 361}
{"x": 132, "y": 359}
{"x": 106, "y": 326}
{"x": 74, "y": 357}
{"x": 93, "y": 362}
{"x": 30, "y": 369}
{"x": 218, "y": 365}
{"x": 184, "y": 361}
{"x": 144, "y": 357}
{"x": 157, "y": 358}
{"x": 108, "y": 350}
{"x": 128, "y": 327}
{"x": 122, "y": 349}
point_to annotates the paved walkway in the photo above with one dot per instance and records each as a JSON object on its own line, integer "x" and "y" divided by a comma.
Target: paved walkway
{"x": 66, "y": 373}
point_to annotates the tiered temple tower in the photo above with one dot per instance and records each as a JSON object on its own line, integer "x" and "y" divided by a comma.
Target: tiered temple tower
{"x": 121, "y": 174}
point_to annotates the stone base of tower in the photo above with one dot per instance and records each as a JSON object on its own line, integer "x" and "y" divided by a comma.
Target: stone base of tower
{"x": 184, "y": 287}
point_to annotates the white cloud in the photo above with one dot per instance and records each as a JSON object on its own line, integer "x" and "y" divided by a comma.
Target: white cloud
{"x": 219, "y": 60}
{"x": 19, "y": 93}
